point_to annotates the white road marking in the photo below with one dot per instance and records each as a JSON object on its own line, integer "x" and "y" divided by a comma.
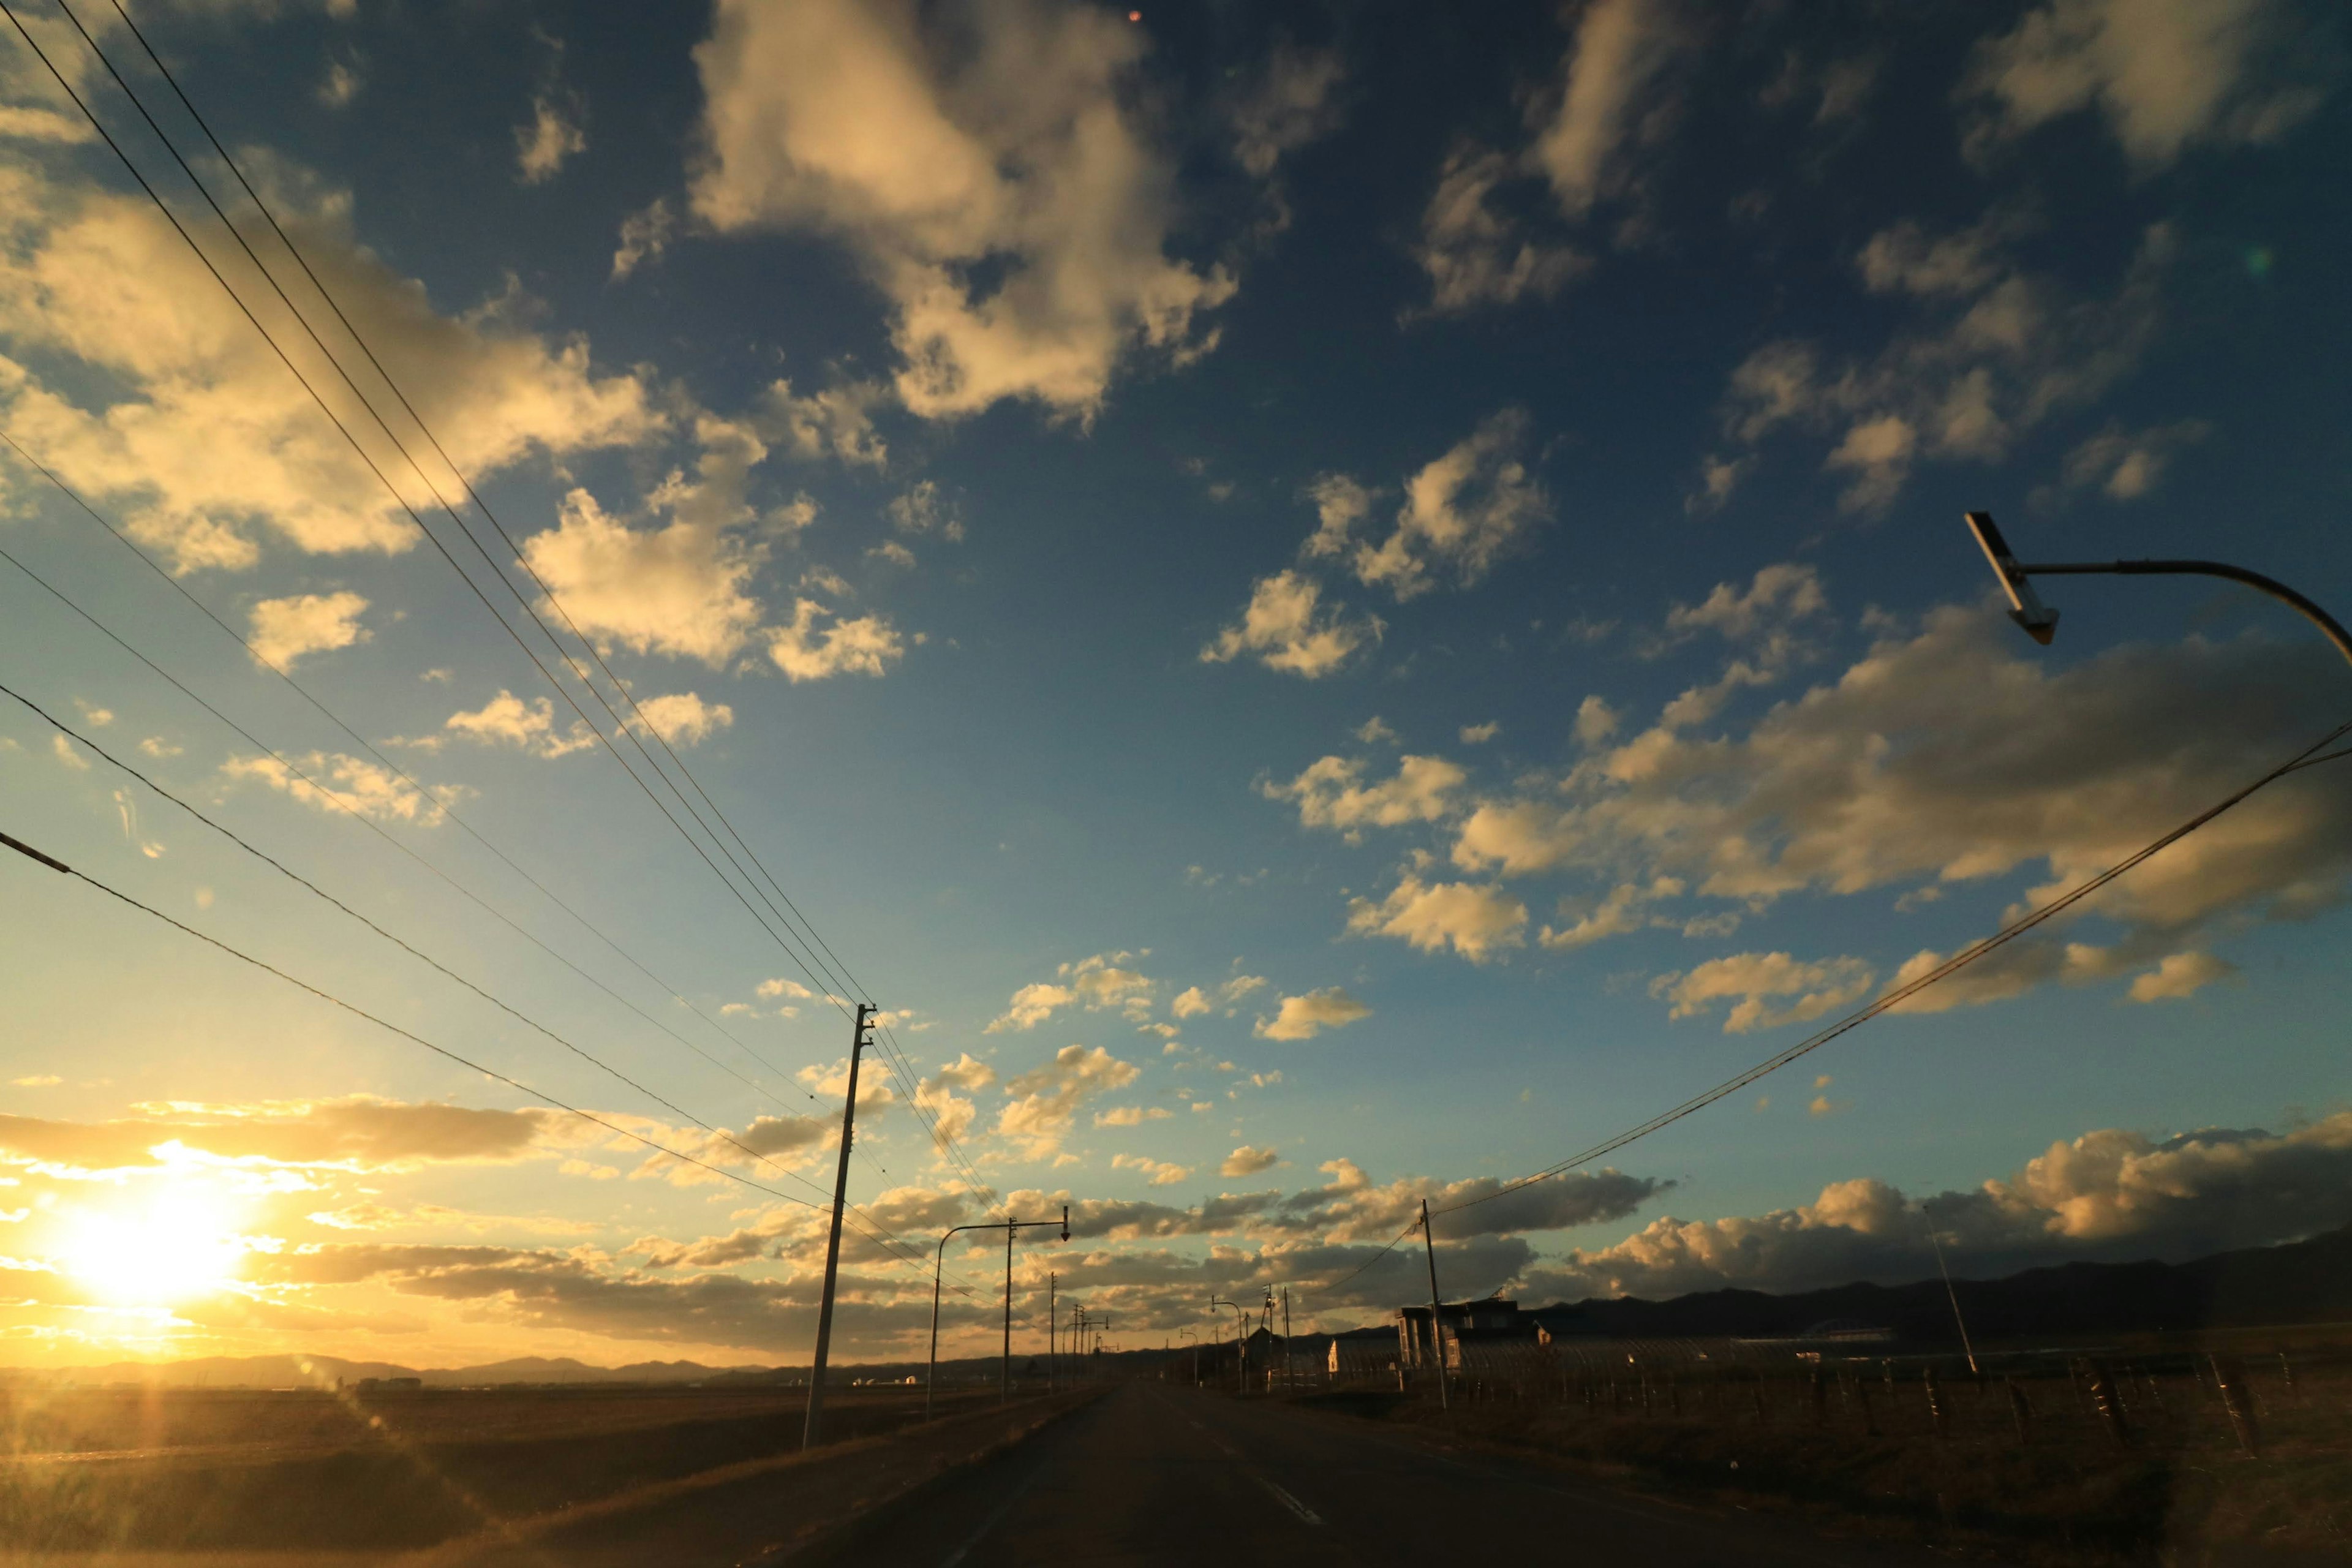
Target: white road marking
{"x": 1306, "y": 1515}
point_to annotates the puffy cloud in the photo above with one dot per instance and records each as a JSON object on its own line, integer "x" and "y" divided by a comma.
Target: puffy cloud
{"x": 1340, "y": 503}
{"x": 1159, "y": 1174}
{"x": 1475, "y": 253}
{"x": 1247, "y": 1161}
{"x": 283, "y": 630}
{"x": 1002, "y": 145}
{"x": 920, "y": 508}
{"x": 2124, "y": 465}
{"x": 1478, "y": 921}
{"x": 1748, "y": 980}
{"x": 1131, "y": 1115}
{"x": 1462, "y": 513}
{"x": 1479, "y": 734}
{"x": 643, "y": 236}
{"x": 1610, "y": 78}
{"x": 2163, "y": 73}
{"x": 2181, "y": 974}
{"x": 864, "y": 645}
{"x": 1303, "y": 1017}
{"x": 1330, "y": 793}
{"x": 835, "y": 422}
{"x": 1778, "y": 596}
{"x": 508, "y": 720}
{"x": 1094, "y": 982}
{"x": 1617, "y": 914}
{"x": 553, "y": 134}
{"x": 201, "y": 439}
{"x": 2112, "y": 1193}
{"x": 1286, "y": 628}
{"x": 792, "y": 988}
{"x": 1190, "y": 1003}
{"x": 1047, "y": 1100}
{"x": 682, "y": 589}
{"x": 1287, "y": 104}
{"x": 1032, "y": 1006}
{"x": 682, "y": 718}
{"x": 332, "y": 781}
{"x": 1940, "y": 757}
{"x": 2000, "y": 351}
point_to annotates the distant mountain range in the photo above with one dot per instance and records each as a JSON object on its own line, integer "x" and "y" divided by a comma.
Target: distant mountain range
{"x": 2300, "y": 1282}
{"x": 2305, "y": 1281}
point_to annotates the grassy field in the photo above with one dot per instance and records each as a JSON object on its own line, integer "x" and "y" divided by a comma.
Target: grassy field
{"x": 2137, "y": 1452}
{"x": 114, "y": 1470}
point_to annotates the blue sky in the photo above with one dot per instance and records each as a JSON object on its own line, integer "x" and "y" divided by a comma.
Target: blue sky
{"x": 1326, "y": 603}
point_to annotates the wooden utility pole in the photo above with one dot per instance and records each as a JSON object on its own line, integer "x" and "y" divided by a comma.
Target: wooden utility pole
{"x": 813, "y": 1431}
{"x": 1004, "y": 1384}
{"x": 1436, "y": 1311}
{"x": 1052, "y": 1328}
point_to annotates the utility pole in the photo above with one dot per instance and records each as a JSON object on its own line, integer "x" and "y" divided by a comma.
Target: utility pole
{"x": 1004, "y": 1384}
{"x": 1436, "y": 1311}
{"x": 1052, "y": 1344}
{"x": 1288, "y": 1372}
{"x": 813, "y": 1431}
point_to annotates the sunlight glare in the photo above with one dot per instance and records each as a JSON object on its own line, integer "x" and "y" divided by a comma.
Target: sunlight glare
{"x": 175, "y": 1246}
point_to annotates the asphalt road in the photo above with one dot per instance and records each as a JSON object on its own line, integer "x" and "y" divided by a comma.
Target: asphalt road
{"x": 1151, "y": 1474}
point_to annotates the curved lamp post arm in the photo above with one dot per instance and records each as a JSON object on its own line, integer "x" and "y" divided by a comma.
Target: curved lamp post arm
{"x": 2041, "y": 622}
{"x": 939, "y": 1266}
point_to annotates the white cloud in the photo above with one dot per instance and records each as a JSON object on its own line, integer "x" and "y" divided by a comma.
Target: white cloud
{"x": 1303, "y": 1017}
{"x": 643, "y": 236}
{"x": 1609, "y": 74}
{"x": 834, "y": 422}
{"x": 682, "y": 718}
{"x": 1596, "y": 722}
{"x": 1778, "y": 596}
{"x": 1748, "y": 981}
{"x": 1477, "y": 921}
{"x": 1190, "y": 1003}
{"x": 1032, "y": 1006}
{"x": 1247, "y": 1161}
{"x": 283, "y": 630}
{"x": 792, "y": 988}
{"x": 1479, "y": 734}
{"x": 1287, "y": 104}
{"x": 1997, "y": 351}
{"x": 1012, "y": 141}
{"x": 1615, "y": 915}
{"x": 866, "y": 645}
{"x": 2124, "y": 465}
{"x": 1330, "y": 793}
{"x": 1045, "y": 1099}
{"x": 553, "y": 134}
{"x": 63, "y": 750}
{"x": 1462, "y": 513}
{"x": 340, "y": 86}
{"x": 1375, "y": 729}
{"x": 1944, "y": 756}
{"x": 508, "y": 720}
{"x": 1285, "y": 628}
{"x": 1131, "y": 1115}
{"x": 1159, "y": 1174}
{"x": 2178, "y": 976}
{"x": 2111, "y": 1195}
{"x": 170, "y": 408}
{"x": 920, "y": 508}
{"x": 1096, "y": 982}
{"x": 1476, "y": 255}
{"x": 2164, "y": 73}
{"x": 329, "y": 780}
{"x": 1340, "y": 503}
{"x": 681, "y": 589}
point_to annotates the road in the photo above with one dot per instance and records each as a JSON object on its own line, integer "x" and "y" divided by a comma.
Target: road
{"x": 1151, "y": 1474}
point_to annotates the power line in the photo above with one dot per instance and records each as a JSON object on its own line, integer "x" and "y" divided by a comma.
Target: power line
{"x": 901, "y": 1068}
{"x": 2309, "y": 756}
{"x": 336, "y": 800}
{"x": 879, "y": 1235}
{"x": 385, "y": 1024}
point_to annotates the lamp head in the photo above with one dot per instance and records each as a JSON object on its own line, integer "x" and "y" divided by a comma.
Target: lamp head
{"x": 2025, "y": 608}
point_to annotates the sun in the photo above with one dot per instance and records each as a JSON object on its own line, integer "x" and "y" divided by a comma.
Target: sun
{"x": 175, "y": 1246}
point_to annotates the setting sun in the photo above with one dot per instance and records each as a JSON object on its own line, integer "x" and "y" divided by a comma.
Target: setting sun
{"x": 172, "y": 1247}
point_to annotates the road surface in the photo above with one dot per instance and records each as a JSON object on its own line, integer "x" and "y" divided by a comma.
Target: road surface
{"x": 1152, "y": 1474}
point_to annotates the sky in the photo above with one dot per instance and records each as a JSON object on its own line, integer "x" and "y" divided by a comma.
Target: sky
{"x": 1327, "y": 604}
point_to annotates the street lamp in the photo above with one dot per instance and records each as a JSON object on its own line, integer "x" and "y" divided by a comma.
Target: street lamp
{"x": 2041, "y": 622}
{"x": 939, "y": 1261}
{"x": 1241, "y": 1341}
